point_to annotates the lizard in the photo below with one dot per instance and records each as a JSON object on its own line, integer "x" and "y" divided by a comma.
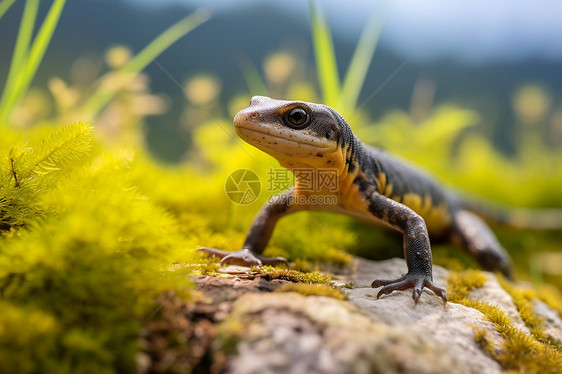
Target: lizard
{"x": 371, "y": 184}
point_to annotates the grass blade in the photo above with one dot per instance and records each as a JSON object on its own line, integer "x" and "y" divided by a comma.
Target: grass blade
{"x": 5, "y": 5}
{"x": 33, "y": 59}
{"x": 326, "y": 64}
{"x": 21, "y": 50}
{"x": 252, "y": 77}
{"x": 360, "y": 62}
{"x": 103, "y": 95}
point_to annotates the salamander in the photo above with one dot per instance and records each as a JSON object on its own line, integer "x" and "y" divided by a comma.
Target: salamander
{"x": 370, "y": 184}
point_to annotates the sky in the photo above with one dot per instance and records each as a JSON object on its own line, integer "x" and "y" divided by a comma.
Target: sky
{"x": 476, "y": 31}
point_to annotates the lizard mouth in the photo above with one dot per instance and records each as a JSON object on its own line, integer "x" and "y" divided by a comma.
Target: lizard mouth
{"x": 276, "y": 139}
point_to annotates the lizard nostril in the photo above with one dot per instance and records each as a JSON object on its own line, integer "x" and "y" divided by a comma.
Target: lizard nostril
{"x": 254, "y": 115}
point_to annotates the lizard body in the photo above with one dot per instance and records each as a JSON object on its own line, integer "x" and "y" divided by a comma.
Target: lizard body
{"x": 370, "y": 184}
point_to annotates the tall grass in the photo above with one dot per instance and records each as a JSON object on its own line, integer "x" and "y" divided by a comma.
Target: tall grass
{"x": 5, "y": 6}
{"x": 342, "y": 95}
{"x": 254, "y": 81}
{"x": 27, "y": 54}
{"x": 360, "y": 63}
{"x": 326, "y": 63}
{"x": 104, "y": 94}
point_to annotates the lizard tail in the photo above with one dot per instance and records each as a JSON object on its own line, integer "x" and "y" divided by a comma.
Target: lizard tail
{"x": 528, "y": 219}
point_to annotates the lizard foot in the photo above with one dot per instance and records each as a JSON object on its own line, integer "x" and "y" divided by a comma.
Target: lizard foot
{"x": 243, "y": 257}
{"x": 415, "y": 281}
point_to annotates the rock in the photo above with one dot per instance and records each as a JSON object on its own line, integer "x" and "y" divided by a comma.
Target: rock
{"x": 256, "y": 330}
{"x": 552, "y": 320}
{"x": 493, "y": 293}
{"x": 290, "y": 333}
{"x": 448, "y": 328}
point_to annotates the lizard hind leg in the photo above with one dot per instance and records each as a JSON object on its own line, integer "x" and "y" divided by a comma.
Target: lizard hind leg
{"x": 476, "y": 237}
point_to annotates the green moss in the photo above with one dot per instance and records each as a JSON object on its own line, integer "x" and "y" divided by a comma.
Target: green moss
{"x": 451, "y": 258}
{"x": 85, "y": 257}
{"x": 520, "y": 352}
{"x": 302, "y": 266}
{"x": 27, "y": 173}
{"x": 206, "y": 266}
{"x": 314, "y": 238}
{"x": 481, "y": 337}
{"x": 522, "y": 299}
{"x": 313, "y": 290}
{"x": 26, "y": 338}
{"x": 294, "y": 275}
{"x": 461, "y": 283}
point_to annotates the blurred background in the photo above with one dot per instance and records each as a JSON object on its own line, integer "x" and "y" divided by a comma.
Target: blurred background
{"x": 500, "y": 59}
{"x": 471, "y": 91}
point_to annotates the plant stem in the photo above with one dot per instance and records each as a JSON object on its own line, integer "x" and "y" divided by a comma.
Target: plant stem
{"x": 360, "y": 62}
{"x": 103, "y": 95}
{"x": 328, "y": 76}
{"x": 5, "y": 6}
{"x": 18, "y": 58}
{"x": 30, "y": 59}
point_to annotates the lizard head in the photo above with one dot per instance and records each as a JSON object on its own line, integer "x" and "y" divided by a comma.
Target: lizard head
{"x": 296, "y": 133}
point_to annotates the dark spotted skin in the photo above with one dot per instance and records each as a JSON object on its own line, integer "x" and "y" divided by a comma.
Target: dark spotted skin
{"x": 371, "y": 184}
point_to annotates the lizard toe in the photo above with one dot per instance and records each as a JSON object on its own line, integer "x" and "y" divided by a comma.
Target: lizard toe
{"x": 415, "y": 281}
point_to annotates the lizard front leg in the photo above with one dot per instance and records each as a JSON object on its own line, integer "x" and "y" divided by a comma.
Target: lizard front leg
{"x": 417, "y": 249}
{"x": 259, "y": 234}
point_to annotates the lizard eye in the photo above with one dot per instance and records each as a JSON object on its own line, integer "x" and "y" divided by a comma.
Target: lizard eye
{"x": 298, "y": 118}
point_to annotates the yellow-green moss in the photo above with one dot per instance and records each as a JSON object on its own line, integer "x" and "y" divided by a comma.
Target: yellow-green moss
{"x": 349, "y": 285}
{"x": 302, "y": 266}
{"x": 520, "y": 352}
{"x": 481, "y": 337}
{"x": 312, "y": 238}
{"x": 461, "y": 283}
{"x": 451, "y": 258}
{"x": 313, "y": 290}
{"x": 84, "y": 248}
{"x": 207, "y": 266}
{"x": 522, "y": 300}
{"x": 294, "y": 275}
